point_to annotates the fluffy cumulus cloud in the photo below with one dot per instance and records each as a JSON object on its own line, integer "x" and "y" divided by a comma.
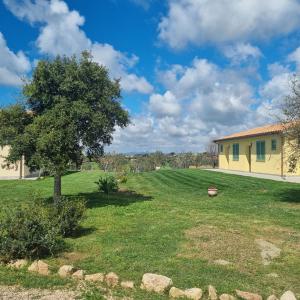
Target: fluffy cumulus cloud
{"x": 13, "y": 66}
{"x": 61, "y": 33}
{"x": 295, "y": 58}
{"x": 164, "y": 105}
{"x": 200, "y": 102}
{"x": 273, "y": 93}
{"x": 222, "y": 21}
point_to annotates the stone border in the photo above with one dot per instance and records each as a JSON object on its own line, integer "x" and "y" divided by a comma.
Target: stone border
{"x": 150, "y": 282}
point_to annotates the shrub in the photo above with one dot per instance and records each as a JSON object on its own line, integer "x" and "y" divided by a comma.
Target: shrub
{"x": 67, "y": 214}
{"x": 122, "y": 177}
{"x": 107, "y": 184}
{"x": 28, "y": 232}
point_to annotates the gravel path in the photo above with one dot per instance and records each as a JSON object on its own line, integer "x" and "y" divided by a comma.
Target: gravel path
{"x": 15, "y": 292}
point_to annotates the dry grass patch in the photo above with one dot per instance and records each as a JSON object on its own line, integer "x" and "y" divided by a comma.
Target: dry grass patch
{"x": 237, "y": 246}
{"x": 72, "y": 257}
{"x": 213, "y": 243}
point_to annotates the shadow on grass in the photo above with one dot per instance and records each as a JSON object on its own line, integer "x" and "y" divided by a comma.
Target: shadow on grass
{"x": 98, "y": 199}
{"x": 82, "y": 231}
{"x": 120, "y": 198}
{"x": 289, "y": 195}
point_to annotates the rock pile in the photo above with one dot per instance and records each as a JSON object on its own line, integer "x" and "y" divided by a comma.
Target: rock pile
{"x": 151, "y": 282}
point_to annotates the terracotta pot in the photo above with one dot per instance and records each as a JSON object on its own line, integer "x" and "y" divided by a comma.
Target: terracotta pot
{"x": 212, "y": 192}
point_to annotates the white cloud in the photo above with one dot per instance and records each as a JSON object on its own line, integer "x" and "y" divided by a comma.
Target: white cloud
{"x": 241, "y": 52}
{"x": 13, "y": 66}
{"x": 218, "y": 21}
{"x": 214, "y": 94}
{"x": 61, "y": 34}
{"x": 276, "y": 88}
{"x": 118, "y": 63}
{"x": 200, "y": 102}
{"x": 295, "y": 56}
{"x": 273, "y": 93}
{"x": 164, "y": 105}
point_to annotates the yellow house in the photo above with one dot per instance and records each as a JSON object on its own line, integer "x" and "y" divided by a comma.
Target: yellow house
{"x": 259, "y": 150}
{"x": 14, "y": 171}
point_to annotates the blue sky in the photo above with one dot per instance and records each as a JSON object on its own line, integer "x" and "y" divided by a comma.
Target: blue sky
{"x": 191, "y": 70}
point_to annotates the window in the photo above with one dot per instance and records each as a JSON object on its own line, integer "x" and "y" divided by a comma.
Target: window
{"x": 260, "y": 150}
{"x": 220, "y": 148}
{"x": 236, "y": 151}
{"x": 274, "y": 145}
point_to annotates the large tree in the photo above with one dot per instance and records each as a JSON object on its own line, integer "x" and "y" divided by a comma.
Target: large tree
{"x": 291, "y": 122}
{"x": 71, "y": 107}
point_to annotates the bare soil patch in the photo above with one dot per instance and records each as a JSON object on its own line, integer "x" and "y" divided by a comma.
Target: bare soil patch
{"x": 16, "y": 292}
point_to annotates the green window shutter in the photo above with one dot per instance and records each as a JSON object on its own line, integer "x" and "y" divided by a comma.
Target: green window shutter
{"x": 274, "y": 145}
{"x": 220, "y": 148}
{"x": 236, "y": 151}
{"x": 263, "y": 150}
{"x": 260, "y": 150}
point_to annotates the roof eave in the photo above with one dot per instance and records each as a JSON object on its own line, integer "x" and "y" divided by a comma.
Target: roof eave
{"x": 247, "y": 136}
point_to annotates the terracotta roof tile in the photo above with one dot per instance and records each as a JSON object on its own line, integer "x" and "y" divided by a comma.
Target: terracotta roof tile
{"x": 264, "y": 130}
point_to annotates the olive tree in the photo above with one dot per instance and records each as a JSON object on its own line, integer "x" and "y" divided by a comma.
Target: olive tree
{"x": 71, "y": 107}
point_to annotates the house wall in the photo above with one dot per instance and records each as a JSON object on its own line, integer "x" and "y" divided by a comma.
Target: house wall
{"x": 271, "y": 164}
{"x": 14, "y": 171}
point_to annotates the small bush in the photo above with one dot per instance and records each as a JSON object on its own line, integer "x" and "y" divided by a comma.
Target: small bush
{"x": 67, "y": 214}
{"x": 107, "y": 184}
{"x": 28, "y": 232}
{"x": 122, "y": 177}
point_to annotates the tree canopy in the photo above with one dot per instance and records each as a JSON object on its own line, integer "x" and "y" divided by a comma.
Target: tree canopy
{"x": 71, "y": 107}
{"x": 291, "y": 122}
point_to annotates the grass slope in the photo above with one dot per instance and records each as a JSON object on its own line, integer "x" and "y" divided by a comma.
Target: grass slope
{"x": 164, "y": 222}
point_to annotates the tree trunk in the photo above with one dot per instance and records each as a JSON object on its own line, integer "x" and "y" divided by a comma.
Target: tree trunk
{"x": 57, "y": 188}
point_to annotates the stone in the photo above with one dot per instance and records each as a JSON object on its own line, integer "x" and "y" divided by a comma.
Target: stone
{"x": 79, "y": 274}
{"x": 112, "y": 279}
{"x": 40, "y": 267}
{"x": 274, "y": 275}
{"x": 268, "y": 251}
{"x": 212, "y": 293}
{"x": 222, "y": 262}
{"x": 127, "y": 284}
{"x": 227, "y": 297}
{"x": 97, "y": 277}
{"x": 248, "y": 296}
{"x": 156, "y": 283}
{"x": 176, "y": 293}
{"x": 288, "y": 295}
{"x": 193, "y": 293}
{"x": 272, "y": 297}
{"x": 66, "y": 270}
{"x": 18, "y": 264}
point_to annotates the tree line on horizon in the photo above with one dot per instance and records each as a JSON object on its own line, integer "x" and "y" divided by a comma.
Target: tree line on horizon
{"x": 136, "y": 163}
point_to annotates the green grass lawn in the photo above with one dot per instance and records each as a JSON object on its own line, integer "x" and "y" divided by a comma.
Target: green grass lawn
{"x": 164, "y": 222}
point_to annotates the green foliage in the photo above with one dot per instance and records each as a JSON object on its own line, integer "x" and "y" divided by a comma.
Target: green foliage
{"x": 71, "y": 107}
{"x": 107, "y": 184}
{"x": 67, "y": 214}
{"x": 122, "y": 177}
{"x": 28, "y": 232}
